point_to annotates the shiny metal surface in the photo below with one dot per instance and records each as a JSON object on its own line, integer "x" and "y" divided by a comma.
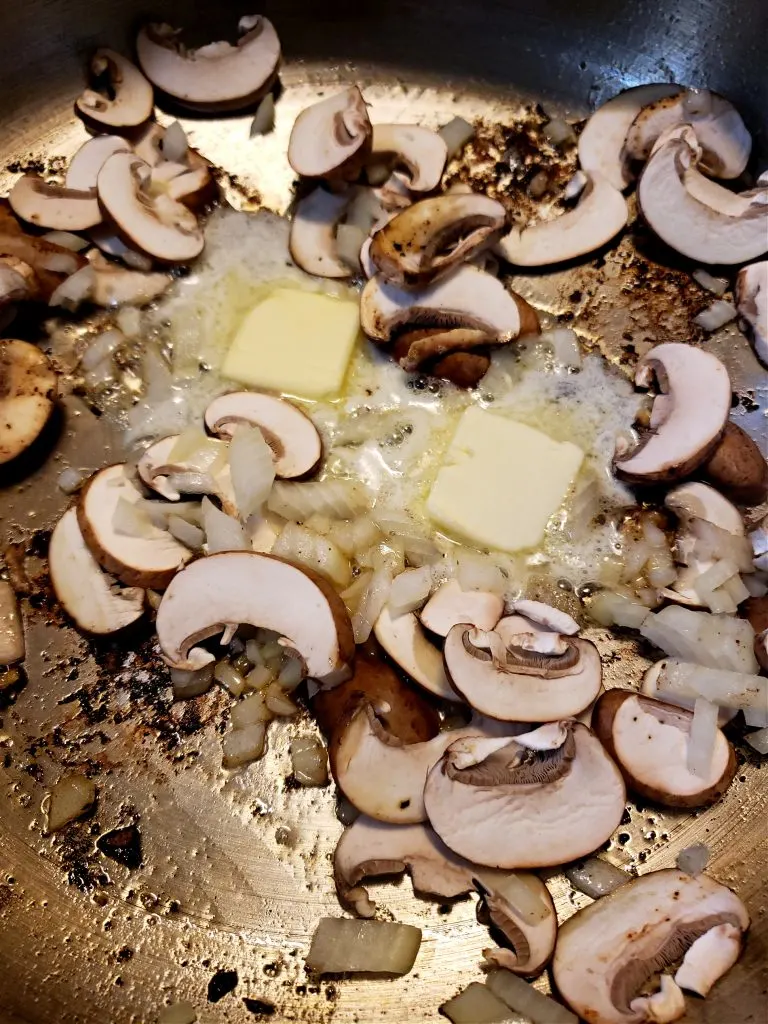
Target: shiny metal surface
{"x": 236, "y": 866}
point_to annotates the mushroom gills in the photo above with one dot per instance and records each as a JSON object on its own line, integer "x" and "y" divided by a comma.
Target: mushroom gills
{"x": 121, "y": 97}
{"x": 420, "y": 151}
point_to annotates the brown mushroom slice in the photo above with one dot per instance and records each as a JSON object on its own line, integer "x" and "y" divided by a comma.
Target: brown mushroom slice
{"x": 418, "y": 349}
{"x": 752, "y": 304}
{"x": 121, "y": 96}
{"x": 403, "y": 638}
{"x": 450, "y": 605}
{"x": 599, "y": 216}
{"x": 649, "y": 740}
{"x": 607, "y": 952}
{"x": 288, "y": 431}
{"x": 137, "y": 561}
{"x": 419, "y": 150}
{"x": 512, "y": 806}
{"x": 540, "y": 677}
{"x": 313, "y": 234}
{"x": 90, "y": 597}
{"x": 520, "y": 908}
{"x": 761, "y": 649}
{"x": 27, "y": 396}
{"x": 54, "y": 206}
{"x": 243, "y": 587}
{"x": 157, "y": 225}
{"x": 331, "y": 139}
{"x": 83, "y": 171}
{"x": 738, "y": 467}
{"x": 217, "y": 76}
{"x": 430, "y": 237}
{"x": 684, "y": 430}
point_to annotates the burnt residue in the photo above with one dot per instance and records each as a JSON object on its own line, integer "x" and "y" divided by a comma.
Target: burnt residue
{"x": 260, "y": 1008}
{"x": 221, "y": 984}
{"x": 122, "y": 845}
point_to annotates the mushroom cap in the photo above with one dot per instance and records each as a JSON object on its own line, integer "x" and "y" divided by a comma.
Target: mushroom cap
{"x": 84, "y": 591}
{"x": 519, "y": 808}
{"x": 685, "y": 429}
{"x": 607, "y": 951}
{"x": 433, "y": 235}
{"x": 648, "y": 739}
{"x": 738, "y": 467}
{"x": 695, "y": 500}
{"x": 404, "y": 640}
{"x": 133, "y": 98}
{"x": 216, "y": 76}
{"x": 599, "y": 216}
{"x": 244, "y": 587}
{"x": 332, "y": 138}
{"x": 450, "y": 605}
{"x": 83, "y": 171}
{"x": 54, "y": 206}
{"x": 312, "y": 241}
{"x": 419, "y": 150}
{"x": 27, "y": 396}
{"x": 288, "y": 431}
{"x": 752, "y": 304}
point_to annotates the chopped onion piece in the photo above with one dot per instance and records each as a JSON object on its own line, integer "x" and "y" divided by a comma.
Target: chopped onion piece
{"x": 718, "y": 641}
{"x": 74, "y": 289}
{"x": 716, "y": 285}
{"x": 456, "y": 134}
{"x": 558, "y": 131}
{"x": 528, "y": 1001}
{"x": 174, "y": 143}
{"x": 222, "y": 532}
{"x": 713, "y": 577}
{"x": 229, "y": 678}
{"x": 409, "y": 590}
{"x": 475, "y": 1004}
{"x": 128, "y": 320}
{"x": 309, "y": 760}
{"x": 191, "y": 684}
{"x": 264, "y": 119}
{"x": 186, "y": 533}
{"x": 716, "y": 315}
{"x": 178, "y": 1013}
{"x": 727, "y": 689}
{"x": 72, "y": 797}
{"x": 371, "y": 604}
{"x": 596, "y": 877}
{"x": 712, "y": 543}
{"x": 71, "y": 480}
{"x": 520, "y": 889}
{"x": 365, "y": 209}
{"x": 131, "y": 520}
{"x": 758, "y": 740}
{"x": 349, "y": 242}
{"x": 278, "y": 701}
{"x": 345, "y": 946}
{"x": 249, "y": 711}
{"x": 693, "y": 859}
{"x": 243, "y": 745}
{"x": 336, "y": 499}
{"x": 252, "y": 464}
{"x": 610, "y": 609}
{"x": 67, "y": 240}
{"x": 59, "y": 263}
{"x": 292, "y": 672}
{"x": 12, "y": 647}
{"x": 298, "y": 544}
{"x": 259, "y": 677}
{"x": 575, "y": 186}
{"x": 756, "y": 718}
{"x": 736, "y": 589}
{"x": 103, "y": 346}
{"x": 565, "y": 346}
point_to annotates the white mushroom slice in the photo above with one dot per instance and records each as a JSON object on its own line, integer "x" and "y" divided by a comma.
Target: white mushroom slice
{"x": 722, "y": 135}
{"x": 157, "y": 225}
{"x": 155, "y": 465}
{"x": 86, "y": 593}
{"x": 599, "y": 216}
{"x": 430, "y": 237}
{"x": 54, "y": 206}
{"x": 450, "y": 605}
{"x": 404, "y": 641}
{"x": 419, "y": 150}
{"x": 121, "y": 97}
{"x": 601, "y": 143}
{"x": 710, "y": 957}
{"x": 545, "y": 615}
{"x": 146, "y": 561}
{"x": 217, "y": 76}
{"x": 607, "y": 952}
{"x": 520, "y": 907}
{"x": 692, "y": 222}
{"x": 313, "y": 234}
{"x": 752, "y": 304}
{"x": 685, "y": 430}
{"x": 236, "y": 587}
{"x": 27, "y": 396}
{"x": 84, "y": 167}
{"x": 524, "y": 684}
{"x": 514, "y": 809}
{"x": 331, "y": 139}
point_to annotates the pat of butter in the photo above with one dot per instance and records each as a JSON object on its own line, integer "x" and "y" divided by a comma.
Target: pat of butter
{"x": 296, "y": 342}
{"x": 501, "y": 481}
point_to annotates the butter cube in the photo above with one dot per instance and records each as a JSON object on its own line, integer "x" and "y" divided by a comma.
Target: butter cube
{"x": 295, "y": 342}
{"x": 501, "y": 481}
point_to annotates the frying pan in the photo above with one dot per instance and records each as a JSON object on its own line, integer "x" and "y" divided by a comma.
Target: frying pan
{"x": 234, "y": 871}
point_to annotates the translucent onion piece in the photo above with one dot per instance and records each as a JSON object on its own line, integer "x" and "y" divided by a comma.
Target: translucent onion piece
{"x": 476, "y": 572}
{"x": 715, "y": 576}
{"x": 229, "y": 678}
{"x": 758, "y": 740}
{"x": 71, "y": 480}
{"x": 309, "y": 760}
{"x": 174, "y": 143}
{"x": 131, "y": 520}
{"x": 128, "y": 319}
{"x": 186, "y": 533}
{"x": 716, "y": 285}
{"x": 409, "y": 590}
{"x": 456, "y": 134}
{"x": 371, "y": 604}
{"x": 264, "y": 119}
{"x": 610, "y": 609}
{"x": 244, "y": 745}
{"x": 345, "y": 946}
{"x": 298, "y": 544}
{"x": 693, "y": 859}
{"x": 717, "y": 641}
{"x": 476, "y": 1004}
{"x": 222, "y": 532}
{"x": 336, "y": 499}
{"x": 596, "y": 877}
{"x": 528, "y": 1001}
{"x": 71, "y": 797}
{"x": 259, "y": 677}
{"x": 701, "y": 741}
{"x": 291, "y": 674}
{"x": 558, "y": 131}
{"x": 67, "y": 240}
{"x": 278, "y": 702}
{"x": 74, "y": 289}
{"x": 727, "y": 689}
{"x": 103, "y": 346}
{"x": 191, "y": 684}
{"x": 519, "y": 889}
{"x": 349, "y": 242}
{"x": 249, "y": 711}
{"x": 716, "y": 315}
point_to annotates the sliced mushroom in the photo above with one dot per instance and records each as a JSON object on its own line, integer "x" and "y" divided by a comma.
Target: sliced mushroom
{"x": 650, "y": 687}
{"x": 752, "y": 304}
{"x": 217, "y": 76}
{"x": 512, "y": 806}
{"x": 418, "y": 349}
{"x": 607, "y": 952}
{"x": 51, "y": 262}
{"x": 434, "y": 235}
{"x": 450, "y": 605}
{"x": 722, "y": 135}
{"x": 313, "y": 234}
{"x": 18, "y": 281}
{"x": 519, "y": 907}
{"x": 157, "y": 225}
{"x": 332, "y": 138}
{"x": 761, "y": 649}
{"x": 155, "y": 465}
{"x": 649, "y": 740}
{"x": 528, "y": 677}
{"x": 121, "y": 96}
{"x": 288, "y": 431}
{"x": 54, "y": 206}
{"x": 711, "y": 956}
{"x": 684, "y": 429}
{"x": 27, "y": 396}
{"x": 599, "y": 216}
{"x": 406, "y": 643}
{"x": 420, "y": 151}
{"x": 545, "y": 615}
{"x": 146, "y": 561}
{"x": 90, "y": 597}
{"x": 704, "y": 222}
{"x": 601, "y": 143}
{"x": 83, "y": 171}
{"x": 737, "y": 467}
{"x": 237, "y": 587}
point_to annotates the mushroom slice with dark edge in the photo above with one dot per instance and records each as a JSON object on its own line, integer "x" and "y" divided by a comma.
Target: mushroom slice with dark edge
{"x": 83, "y": 171}
{"x": 752, "y": 304}
{"x": 27, "y": 396}
{"x": 332, "y": 138}
{"x": 121, "y": 96}
{"x": 151, "y": 560}
{"x": 607, "y": 952}
{"x": 54, "y": 206}
{"x": 419, "y": 349}
{"x": 419, "y": 150}
{"x": 217, "y": 76}
{"x": 50, "y": 262}
{"x": 723, "y": 137}
{"x": 158, "y": 225}
{"x": 518, "y": 907}
{"x": 288, "y": 431}
{"x": 649, "y": 741}
{"x": 684, "y": 429}
{"x": 430, "y": 237}
{"x": 599, "y": 216}
{"x": 404, "y": 640}
{"x": 243, "y": 587}
{"x": 737, "y": 467}
{"x": 530, "y": 677}
{"x": 695, "y": 216}
{"x": 85, "y": 592}
{"x": 506, "y": 804}
{"x": 450, "y": 605}
{"x": 313, "y": 234}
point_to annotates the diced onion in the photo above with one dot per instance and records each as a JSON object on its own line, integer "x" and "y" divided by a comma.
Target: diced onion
{"x": 186, "y": 533}
{"x": 377, "y": 172}
{"x": 102, "y": 347}
{"x": 565, "y": 346}
{"x": 252, "y": 464}
{"x": 596, "y": 877}
{"x": 71, "y": 797}
{"x": 309, "y": 760}
{"x": 475, "y": 1004}
{"x": 249, "y": 711}
{"x": 711, "y": 542}
{"x": 713, "y": 577}
{"x": 259, "y": 678}
{"x": 371, "y": 604}
{"x": 74, "y": 289}
{"x": 477, "y": 572}
{"x": 354, "y": 535}
{"x": 222, "y": 532}
{"x": 191, "y": 683}
{"x": 660, "y": 569}
{"x": 758, "y": 740}
{"x": 716, "y": 285}
{"x": 336, "y": 499}
{"x": 278, "y": 701}
{"x": 347, "y": 946}
{"x": 243, "y": 745}
{"x": 131, "y": 520}
{"x": 756, "y": 718}
{"x": 575, "y": 186}
{"x": 610, "y": 609}
{"x": 736, "y": 589}
{"x": 718, "y": 641}
{"x": 71, "y": 480}
{"x": 558, "y": 131}
{"x": 292, "y": 672}
{"x": 693, "y": 859}
{"x": 67, "y": 240}
{"x": 174, "y": 143}
{"x": 59, "y": 262}
{"x": 456, "y": 134}
{"x": 727, "y": 689}
{"x": 298, "y": 544}
{"x": 409, "y": 590}
{"x": 528, "y": 1001}
{"x": 264, "y": 119}
{"x": 365, "y": 210}
{"x": 716, "y": 315}
{"x": 520, "y": 890}
{"x": 354, "y": 594}
{"x": 229, "y": 678}
{"x": 349, "y": 242}
{"x": 128, "y": 319}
